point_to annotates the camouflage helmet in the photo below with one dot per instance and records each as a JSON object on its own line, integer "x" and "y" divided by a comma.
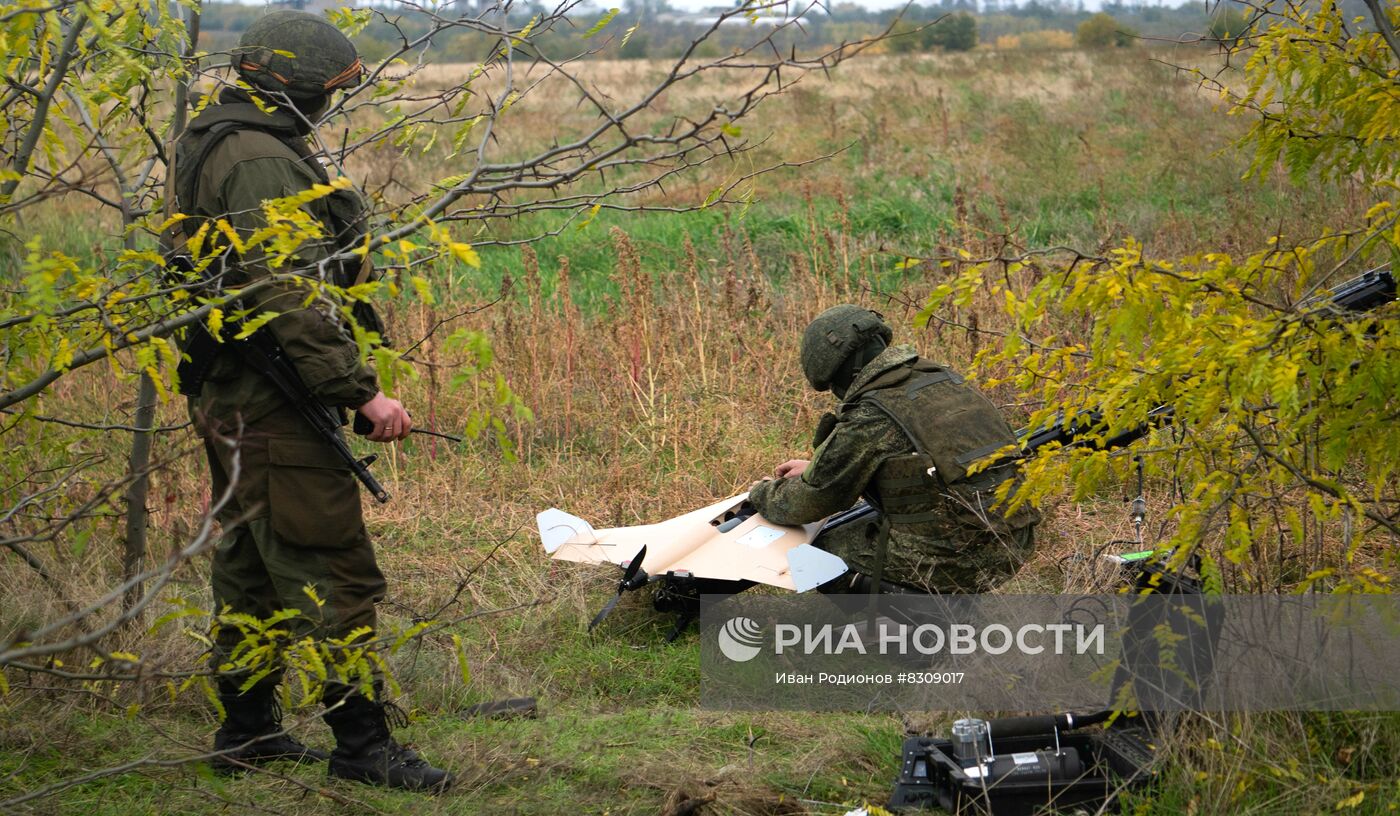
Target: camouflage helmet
{"x": 835, "y": 337}
{"x": 298, "y": 54}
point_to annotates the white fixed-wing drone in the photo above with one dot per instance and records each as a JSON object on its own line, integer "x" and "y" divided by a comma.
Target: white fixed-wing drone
{"x": 721, "y": 549}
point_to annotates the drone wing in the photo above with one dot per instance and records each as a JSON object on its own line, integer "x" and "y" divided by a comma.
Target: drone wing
{"x": 725, "y": 541}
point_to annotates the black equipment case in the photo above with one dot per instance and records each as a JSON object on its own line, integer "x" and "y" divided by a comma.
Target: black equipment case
{"x": 1042, "y": 764}
{"x": 1087, "y": 770}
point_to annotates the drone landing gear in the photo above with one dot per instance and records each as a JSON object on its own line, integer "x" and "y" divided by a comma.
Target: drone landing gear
{"x": 680, "y": 592}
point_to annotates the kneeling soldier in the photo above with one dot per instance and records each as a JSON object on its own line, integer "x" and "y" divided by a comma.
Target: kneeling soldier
{"x": 903, "y": 436}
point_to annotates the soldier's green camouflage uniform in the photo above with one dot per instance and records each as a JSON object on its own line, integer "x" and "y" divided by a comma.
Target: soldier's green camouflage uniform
{"x": 295, "y": 518}
{"x": 953, "y": 541}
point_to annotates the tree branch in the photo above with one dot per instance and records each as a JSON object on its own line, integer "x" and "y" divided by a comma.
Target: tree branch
{"x": 41, "y": 106}
{"x": 1383, "y": 26}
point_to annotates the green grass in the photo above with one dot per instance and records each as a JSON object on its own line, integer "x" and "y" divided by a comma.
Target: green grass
{"x": 595, "y": 756}
{"x": 577, "y": 757}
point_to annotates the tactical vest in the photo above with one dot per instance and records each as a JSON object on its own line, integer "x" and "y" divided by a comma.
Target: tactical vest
{"x": 950, "y": 425}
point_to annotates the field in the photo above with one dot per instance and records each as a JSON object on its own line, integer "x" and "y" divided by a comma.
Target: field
{"x": 658, "y": 355}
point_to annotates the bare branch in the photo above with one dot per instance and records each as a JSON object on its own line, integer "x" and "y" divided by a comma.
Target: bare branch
{"x": 11, "y": 653}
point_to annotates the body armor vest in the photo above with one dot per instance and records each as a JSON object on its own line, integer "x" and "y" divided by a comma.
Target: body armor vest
{"x": 950, "y": 425}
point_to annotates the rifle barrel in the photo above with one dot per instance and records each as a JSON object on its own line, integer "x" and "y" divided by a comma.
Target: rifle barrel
{"x": 1359, "y": 294}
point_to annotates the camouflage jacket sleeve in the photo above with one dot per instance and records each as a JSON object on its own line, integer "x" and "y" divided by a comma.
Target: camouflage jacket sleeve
{"x": 841, "y": 469}
{"x": 318, "y": 344}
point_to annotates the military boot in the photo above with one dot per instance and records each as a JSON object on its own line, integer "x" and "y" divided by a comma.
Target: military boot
{"x": 251, "y": 733}
{"x": 366, "y": 752}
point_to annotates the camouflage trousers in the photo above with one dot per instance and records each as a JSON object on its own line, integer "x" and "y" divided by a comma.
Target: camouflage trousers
{"x": 294, "y": 522}
{"x": 916, "y": 562}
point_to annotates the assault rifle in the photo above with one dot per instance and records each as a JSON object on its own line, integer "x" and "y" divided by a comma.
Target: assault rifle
{"x": 262, "y": 353}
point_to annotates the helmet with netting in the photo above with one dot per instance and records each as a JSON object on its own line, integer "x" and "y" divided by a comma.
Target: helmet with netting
{"x": 298, "y": 54}
{"x": 834, "y": 338}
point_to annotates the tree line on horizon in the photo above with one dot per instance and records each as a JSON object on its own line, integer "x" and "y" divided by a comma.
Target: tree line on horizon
{"x": 660, "y": 30}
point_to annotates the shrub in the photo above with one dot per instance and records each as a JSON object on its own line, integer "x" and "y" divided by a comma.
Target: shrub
{"x": 906, "y": 39}
{"x": 1048, "y": 39}
{"x": 1103, "y": 31}
{"x": 956, "y": 32}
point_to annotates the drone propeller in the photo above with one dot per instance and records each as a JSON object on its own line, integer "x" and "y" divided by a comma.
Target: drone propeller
{"x": 632, "y": 578}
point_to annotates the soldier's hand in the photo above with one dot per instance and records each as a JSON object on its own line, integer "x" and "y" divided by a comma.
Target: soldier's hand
{"x": 390, "y": 420}
{"x": 792, "y": 467}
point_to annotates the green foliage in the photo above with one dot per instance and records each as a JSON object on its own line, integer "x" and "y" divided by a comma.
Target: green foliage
{"x": 284, "y": 643}
{"x": 498, "y": 402}
{"x": 1282, "y": 452}
{"x": 1324, "y": 95}
{"x": 1103, "y": 31}
{"x": 956, "y": 32}
{"x": 1267, "y": 400}
{"x": 601, "y": 24}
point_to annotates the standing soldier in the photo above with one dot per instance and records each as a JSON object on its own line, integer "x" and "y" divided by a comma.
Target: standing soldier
{"x": 295, "y": 517}
{"x": 903, "y": 437}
